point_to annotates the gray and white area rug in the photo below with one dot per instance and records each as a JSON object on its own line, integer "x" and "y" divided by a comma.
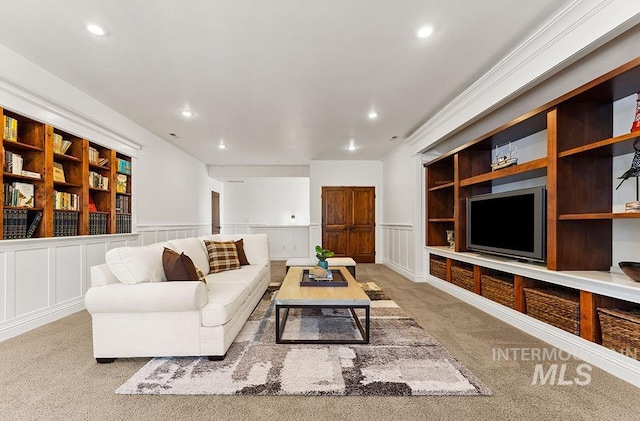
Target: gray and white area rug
{"x": 402, "y": 359}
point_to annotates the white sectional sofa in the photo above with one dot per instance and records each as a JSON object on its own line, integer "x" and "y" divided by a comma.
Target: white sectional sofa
{"x": 136, "y": 313}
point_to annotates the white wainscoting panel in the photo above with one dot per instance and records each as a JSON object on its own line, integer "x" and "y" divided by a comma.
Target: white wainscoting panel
{"x": 399, "y": 251}
{"x": 67, "y": 268}
{"x": 45, "y": 279}
{"x": 285, "y": 241}
{"x": 151, "y": 234}
{"x": 32, "y": 281}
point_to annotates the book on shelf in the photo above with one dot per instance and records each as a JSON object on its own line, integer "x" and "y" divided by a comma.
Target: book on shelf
{"x": 123, "y": 204}
{"x": 10, "y": 128}
{"x": 31, "y": 174}
{"x": 65, "y": 224}
{"x": 98, "y": 223}
{"x": 123, "y": 166}
{"x": 13, "y": 162}
{"x": 60, "y": 145}
{"x": 121, "y": 183}
{"x": 58, "y": 172}
{"x": 97, "y": 181}
{"x": 92, "y": 205}
{"x": 65, "y": 201}
{"x": 33, "y": 221}
{"x": 15, "y": 223}
{"x": 24, "y": 194}
{"x": 103, "y": 162}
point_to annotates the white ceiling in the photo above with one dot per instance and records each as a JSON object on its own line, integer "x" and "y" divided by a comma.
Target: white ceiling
{"x": 283, "y": 82}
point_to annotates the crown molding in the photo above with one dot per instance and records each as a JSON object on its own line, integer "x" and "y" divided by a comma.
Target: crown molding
{"x": 35, "y": 104}
{"x": 574, "y": 31}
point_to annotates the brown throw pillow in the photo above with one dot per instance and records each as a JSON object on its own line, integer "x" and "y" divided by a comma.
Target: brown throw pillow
{"x": 223, "y": 255}
{"x": 178, "y": 267}
{"x": 241, "y": 256}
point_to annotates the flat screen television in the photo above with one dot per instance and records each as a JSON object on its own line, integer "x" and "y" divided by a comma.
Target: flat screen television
{"x": 511, "y": 223}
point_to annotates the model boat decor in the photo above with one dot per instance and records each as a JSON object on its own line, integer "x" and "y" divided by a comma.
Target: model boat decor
{"x": 505, "y": 156}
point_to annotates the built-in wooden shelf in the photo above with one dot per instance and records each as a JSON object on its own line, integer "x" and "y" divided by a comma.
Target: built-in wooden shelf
{"x": 614, "y": 146}
{"x": 587, "y": 216}
{"x": 20, "y": 145}
{"x": 21, "y": 177}
{"x": 442, "y": 219}
{"x": 509, "y": 174}
{"x": 64, "y": 157}
{"x": 442, "y": 186}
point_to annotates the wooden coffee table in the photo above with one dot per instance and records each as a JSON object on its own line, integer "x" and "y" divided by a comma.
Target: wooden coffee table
{"x": 292, "y": 295}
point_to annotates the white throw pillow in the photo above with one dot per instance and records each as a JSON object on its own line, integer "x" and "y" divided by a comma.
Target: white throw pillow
{"x": 195, "y": 249}
{"x": 133, "y": 265}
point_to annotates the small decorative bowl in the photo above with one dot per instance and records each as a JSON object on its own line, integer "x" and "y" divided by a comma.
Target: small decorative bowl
{"x": 631, "y": 269}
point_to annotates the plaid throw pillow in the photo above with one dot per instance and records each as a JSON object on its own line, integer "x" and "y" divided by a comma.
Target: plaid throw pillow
{"x": 223, "y": 255}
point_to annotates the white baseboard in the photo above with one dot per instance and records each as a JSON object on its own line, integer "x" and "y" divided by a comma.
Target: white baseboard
{"x": 23, "y": 324}
{"x": 617, "y": 364}
{"x": 400, "y": 270}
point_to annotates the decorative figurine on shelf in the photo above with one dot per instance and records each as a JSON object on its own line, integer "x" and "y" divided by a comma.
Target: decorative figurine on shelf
{"x": 451, "y": 239}
{"x": 635, "y": 126}
{"x": 504, "y": 159}
{"x": 634, "y": 171}
{"x": 321, "y": 255}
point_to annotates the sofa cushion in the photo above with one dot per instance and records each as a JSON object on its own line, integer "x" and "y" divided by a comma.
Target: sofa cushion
{"x": 178, "y": 266}
{"x": 225, "y": 300}
{"x": 249, "y": 276}
{"x": 195, "y": 249}
{"x": 132, "y": 265}
{"x": 241, "y": 254}
{"x": 223, "y": 255}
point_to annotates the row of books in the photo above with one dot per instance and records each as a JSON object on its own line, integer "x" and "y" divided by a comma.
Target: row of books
{"x": 20, "y": 223}
{"x": 60, "y": 145}
{"x": 13, "y": 164}
{"x": 123, "y": 204}
{"x": 94, "y": 157}
{"x": 65, "y": 223}
{"x": 98, "y": 223}
{"x": 123, "y": 223}
{"x": 66, "y": 201}
{"x": 98, "y": 181}
{"x": 19, "y": 194}
{"x": 123, "y": 166}
{"x": 10, "y": 128}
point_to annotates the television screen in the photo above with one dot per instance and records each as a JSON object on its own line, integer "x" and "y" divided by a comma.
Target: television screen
{"x": 508, "y": 223}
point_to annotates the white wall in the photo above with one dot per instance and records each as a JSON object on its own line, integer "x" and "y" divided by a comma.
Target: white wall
{"x": 344, "y": 173}
{"x": 266, "y": 201}
{"x": 402, "y": 209}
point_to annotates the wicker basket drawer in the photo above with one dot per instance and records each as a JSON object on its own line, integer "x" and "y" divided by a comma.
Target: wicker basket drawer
{"x": 462, "y": 276}
{"x": 555, "y": 307}
{"x": 621, "y": 330}
{"x": 438, "y": 268}
{"x": 498, "y": 288}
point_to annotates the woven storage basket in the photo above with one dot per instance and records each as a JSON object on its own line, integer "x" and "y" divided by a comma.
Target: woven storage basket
{"x": 462, "y": 276}
{"x": 438, "y": 268}
{"x": 621, "y": 330}
{"x": 556, "y": 307}
{"x": 498, "y": 288}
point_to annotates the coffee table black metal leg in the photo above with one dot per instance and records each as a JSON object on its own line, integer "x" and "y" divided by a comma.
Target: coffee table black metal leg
{"x": 280, "y": 325}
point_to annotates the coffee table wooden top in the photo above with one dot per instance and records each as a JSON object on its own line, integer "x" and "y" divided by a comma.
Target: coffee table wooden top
{"x": 291, "y": 293}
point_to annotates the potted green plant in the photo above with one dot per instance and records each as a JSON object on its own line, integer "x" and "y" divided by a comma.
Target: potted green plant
{"x": 321, "y": 255}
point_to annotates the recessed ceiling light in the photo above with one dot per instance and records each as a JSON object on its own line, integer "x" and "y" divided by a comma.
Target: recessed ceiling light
{"x": 221, "y": 145}
{"x": 97, "y": 30}
{"x": 372, "y": 115}
{"x": 351, "y": 146}
{"x": 424, "y": 32}
{"x": 187, "y": 113}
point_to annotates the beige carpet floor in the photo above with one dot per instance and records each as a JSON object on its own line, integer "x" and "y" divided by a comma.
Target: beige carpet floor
{"x": 50, "y": 374}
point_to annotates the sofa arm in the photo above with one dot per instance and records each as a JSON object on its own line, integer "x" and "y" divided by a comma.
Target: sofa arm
{"x": 147, "y": 297}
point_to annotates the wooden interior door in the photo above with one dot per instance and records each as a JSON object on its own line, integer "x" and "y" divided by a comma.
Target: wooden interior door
{"x": 215, "y": 212}
{"x": 348, "y": 222}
